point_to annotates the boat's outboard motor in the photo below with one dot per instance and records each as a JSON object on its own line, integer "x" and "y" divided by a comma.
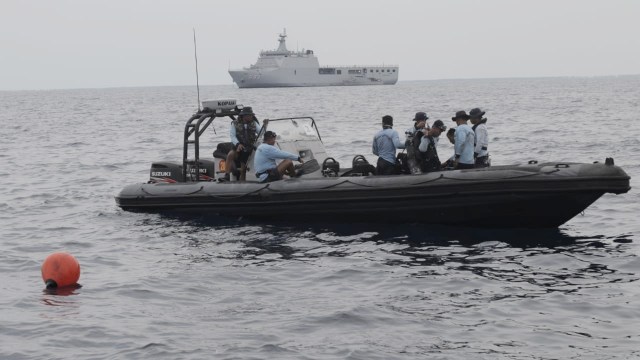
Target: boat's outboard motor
{"x": 207, "y": 171}
{"x": 166, "y": 172}
{"x": 330, "y": 167}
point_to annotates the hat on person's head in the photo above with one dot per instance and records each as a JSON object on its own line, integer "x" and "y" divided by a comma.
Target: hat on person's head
{"x": 269, "y": 135}
{"x": 460, "y": 115}
{"x": 476, "y": 113}
{"x": 387, "y": 120}
{"x": 247, "y": 110}
{"x": 438, "y": 124}
{"x": 420, "y": 116}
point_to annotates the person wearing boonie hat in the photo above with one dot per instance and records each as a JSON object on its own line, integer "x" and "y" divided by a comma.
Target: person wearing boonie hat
{"x": 429, "y": 160}
{"x": 385, "y": 143}
{"x": 265, "y": 160}
{"x": 464, "y": 141}
{"x": 481, "y": 152}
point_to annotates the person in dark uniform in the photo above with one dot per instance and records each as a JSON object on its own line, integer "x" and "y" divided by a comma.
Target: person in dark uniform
{"x": 419, "y": 123}
{"x": 414, "y": 134}
{"x": 429, "y": 160}
{"x": 243, "y": 133}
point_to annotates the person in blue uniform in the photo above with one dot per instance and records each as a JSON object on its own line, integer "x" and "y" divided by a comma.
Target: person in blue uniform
{"x": 464, "y": 141}
{"x": 385, "y": 143}
{"x": 243, "y": 133}
{"x": 265, "y": 160}
{"x": 481, "y": 151}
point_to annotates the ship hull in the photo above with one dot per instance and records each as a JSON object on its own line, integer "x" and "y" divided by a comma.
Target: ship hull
{"x": 306, "y": 78}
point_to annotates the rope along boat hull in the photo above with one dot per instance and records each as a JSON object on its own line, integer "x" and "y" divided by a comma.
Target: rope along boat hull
{"x": 533, "y": 195}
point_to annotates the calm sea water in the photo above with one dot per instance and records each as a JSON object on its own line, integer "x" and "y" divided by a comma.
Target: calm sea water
{"x": 210, "y": 288}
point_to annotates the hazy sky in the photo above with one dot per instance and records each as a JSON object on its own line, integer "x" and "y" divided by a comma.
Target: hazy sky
{"x": 79, "y": 44}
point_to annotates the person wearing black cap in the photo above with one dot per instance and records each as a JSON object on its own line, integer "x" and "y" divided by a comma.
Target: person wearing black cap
{"x": 412, "y": 142}
{"x": 464, "y": 141}
{"x": 243, "y": 133}
{"x": 419, "y": 123}
{"x": 385, "y": 143}
{"x": 429, "y": 160}
{"x": 481, "y": 152}
{"x": 265, "y": 160}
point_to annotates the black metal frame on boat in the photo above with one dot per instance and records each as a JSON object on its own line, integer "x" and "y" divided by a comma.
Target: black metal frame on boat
{"x": 196, "y": 129}
{"x": 198, "y": 124}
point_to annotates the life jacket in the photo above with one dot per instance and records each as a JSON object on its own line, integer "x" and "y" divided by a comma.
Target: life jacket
{"x": 248, "y": 137}
{"x": 429, "y": 160}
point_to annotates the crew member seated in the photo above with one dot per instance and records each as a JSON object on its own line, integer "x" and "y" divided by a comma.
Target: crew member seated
{"x": 267, "y": 170}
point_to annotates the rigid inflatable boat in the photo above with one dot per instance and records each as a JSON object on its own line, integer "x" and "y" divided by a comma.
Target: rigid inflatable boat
{"x": 526, "y": 195}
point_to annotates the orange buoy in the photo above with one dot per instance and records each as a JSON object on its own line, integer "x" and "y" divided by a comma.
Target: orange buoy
{"x": 60, "y": 269}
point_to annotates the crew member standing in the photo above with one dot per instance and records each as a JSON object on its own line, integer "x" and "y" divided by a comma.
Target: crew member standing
{"x": 428, "y": 153}
{"x": 385, "y": 143}
{"x": 419, "y": 123}
{"x": 464, "y": 141}
{"x": 414, "y": 134}
{"x": 481, "y": 152}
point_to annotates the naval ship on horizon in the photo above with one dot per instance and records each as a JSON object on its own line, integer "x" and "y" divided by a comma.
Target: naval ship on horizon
{"x": 284, "y": 68}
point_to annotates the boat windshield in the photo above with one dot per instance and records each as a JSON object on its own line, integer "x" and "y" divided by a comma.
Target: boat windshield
{"x": 294, "y": 129}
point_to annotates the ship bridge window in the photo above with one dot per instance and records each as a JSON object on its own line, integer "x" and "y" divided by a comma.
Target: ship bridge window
{"x": 355, "y": 71}
{"x": 327, "y": 71}
{"x": 394, "y": 70}
{"x": 339, "y": 72}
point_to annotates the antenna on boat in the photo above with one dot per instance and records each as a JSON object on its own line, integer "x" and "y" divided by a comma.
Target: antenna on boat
{"x": 195, "y": 53}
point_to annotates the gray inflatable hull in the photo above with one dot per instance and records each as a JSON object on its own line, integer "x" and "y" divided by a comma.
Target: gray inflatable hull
{"x": 538, "y": 195}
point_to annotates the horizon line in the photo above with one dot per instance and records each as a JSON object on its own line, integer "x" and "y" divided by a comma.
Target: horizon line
{"x": 399, "y": 81}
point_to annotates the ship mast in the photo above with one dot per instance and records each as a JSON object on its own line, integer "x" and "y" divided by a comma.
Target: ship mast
{"x": 282, "y": 47}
